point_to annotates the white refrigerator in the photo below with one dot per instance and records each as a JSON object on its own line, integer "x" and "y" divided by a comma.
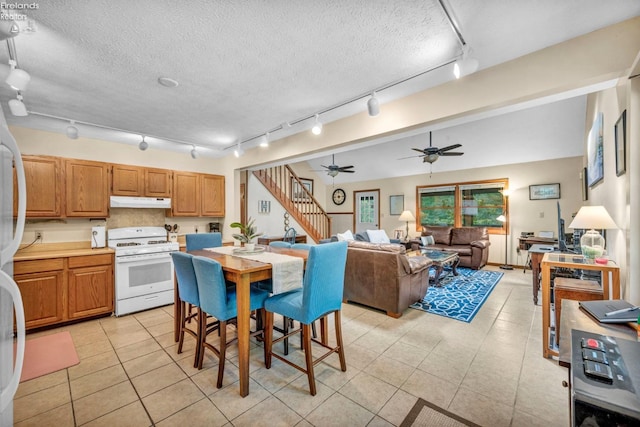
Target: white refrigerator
{"x": 10, "y": 299}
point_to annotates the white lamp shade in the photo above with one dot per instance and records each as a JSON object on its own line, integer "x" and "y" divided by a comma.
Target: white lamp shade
{"x": 593, "y": 217}
{"x": 72, "y": 132}
{"x": 18, "y": 108}
{"x": 373, "y": 106}
{"x": 18, "y": 79}
{"x": 502, "y": 218}
{"x": 317, "y": 128}
{"x": 406, "y": 216}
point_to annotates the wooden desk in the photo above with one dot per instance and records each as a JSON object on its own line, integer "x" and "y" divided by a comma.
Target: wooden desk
{"x": 573, "y": 317}
{"x": 242, "y": 272}
{"x": 610, "y": 286}
{"x": 265, "y": 240}
{"x": 525, "y": 243}
{"x": 536, "y": 252}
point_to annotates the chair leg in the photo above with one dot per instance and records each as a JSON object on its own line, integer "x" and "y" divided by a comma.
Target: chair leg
{"x": 306, "y": 335}
{"x": 268, "y": 338}
{"x": 343, "y": 362}
{"x": 285, "y": 327}
{"x": 202, "y": 336}
{"x": 223, "y": 352}
{"x": 182, "y": 313}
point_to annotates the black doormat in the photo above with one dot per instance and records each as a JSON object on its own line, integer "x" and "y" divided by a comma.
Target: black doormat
{"x": 425, "y": 413}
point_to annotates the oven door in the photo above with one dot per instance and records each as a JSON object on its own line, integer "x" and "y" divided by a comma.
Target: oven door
{"x": 138, "y": 275}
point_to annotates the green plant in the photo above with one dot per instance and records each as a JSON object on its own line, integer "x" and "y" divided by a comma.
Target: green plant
{"x": 247, "y": 231}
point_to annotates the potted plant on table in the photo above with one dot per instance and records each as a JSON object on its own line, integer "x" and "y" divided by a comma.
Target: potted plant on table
{"x": 247, "y": 233}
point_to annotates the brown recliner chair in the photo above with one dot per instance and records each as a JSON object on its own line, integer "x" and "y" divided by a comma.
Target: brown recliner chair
{"x": 471, "y": 243}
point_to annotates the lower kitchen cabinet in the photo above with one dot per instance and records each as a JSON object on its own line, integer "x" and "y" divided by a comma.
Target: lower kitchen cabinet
{"x": 58, "y": 290}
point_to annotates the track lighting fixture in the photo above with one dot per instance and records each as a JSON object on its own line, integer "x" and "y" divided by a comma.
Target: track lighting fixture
{"x": 238, "y": 151}
{"x": 317, "y": 127}
{"x": 72, "y": 131}
{"x": 17, "y": 107}
{"x": 373, "y": 105}
{"x": 143, "y": 144}
{"x": 265, "y": 141}
{"x": 18, "y": 79}
{"x": 194, "y": 152}
{"x": 466, "y": 64}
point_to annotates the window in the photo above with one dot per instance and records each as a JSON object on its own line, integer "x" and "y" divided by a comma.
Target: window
{"x": 474, "y": 204}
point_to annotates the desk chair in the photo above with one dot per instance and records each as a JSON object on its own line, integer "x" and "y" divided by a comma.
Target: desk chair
{"x": 219, "y": 301}
{"x": 320, "y": 295}
{"x": 199, "y": 241}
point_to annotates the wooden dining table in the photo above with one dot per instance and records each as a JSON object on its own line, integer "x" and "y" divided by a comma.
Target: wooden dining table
{"x": 242, "y": 272}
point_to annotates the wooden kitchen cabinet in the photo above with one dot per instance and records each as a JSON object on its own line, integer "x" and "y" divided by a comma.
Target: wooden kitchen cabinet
{"x": 42, "y": 286}
{"x": 197, "y": 195}
{"x": 186, "y": 194}
{"x": 157, "y": 182}
{"x": 87, "y": 188}
{"x": 127, "y": 180}
{"x": 212, "y": 202}
{"x": 90, "y": 286}
{"x": 43, "y": 177}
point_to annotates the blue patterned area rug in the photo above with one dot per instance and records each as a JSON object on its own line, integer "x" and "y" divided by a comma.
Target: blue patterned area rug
{"x": 460, "y": 297}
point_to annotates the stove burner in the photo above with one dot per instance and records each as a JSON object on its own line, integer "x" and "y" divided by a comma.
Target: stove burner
{"x": 156, "y": 242}
{"x": 127, "y": 244}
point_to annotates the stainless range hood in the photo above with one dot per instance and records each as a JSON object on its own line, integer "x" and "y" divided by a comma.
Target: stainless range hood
{"x": 140, "y": 202}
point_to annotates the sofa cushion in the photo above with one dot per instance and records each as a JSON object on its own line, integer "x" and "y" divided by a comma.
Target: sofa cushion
{"x": 427, "y": 240}
{"x": 346, "y": 236}
{"x": 378, "y": 236}
{"x": 466, "y": 235}
{"x": 463, "y": 250}
{"x": 386, "y": 247}
{"x": 441, "y": 234}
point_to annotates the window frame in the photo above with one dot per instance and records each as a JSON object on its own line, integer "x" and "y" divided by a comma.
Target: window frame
{"x": 458, "y": 203}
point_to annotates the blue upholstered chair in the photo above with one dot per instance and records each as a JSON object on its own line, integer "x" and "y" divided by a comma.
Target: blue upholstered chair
{"x": 188, "y": 293}
{"x": 219, "y": 301}
{"x": 203, "y": 240}
{"x": 303, "y": 246}
{"x": 320, "y": 295}
{"x": 280, "y": 244}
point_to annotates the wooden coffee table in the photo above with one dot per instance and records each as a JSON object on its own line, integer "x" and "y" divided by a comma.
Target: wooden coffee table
{"x": 441, "y": 259}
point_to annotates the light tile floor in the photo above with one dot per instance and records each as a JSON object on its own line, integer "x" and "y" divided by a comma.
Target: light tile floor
{"x": 489, "y": 371}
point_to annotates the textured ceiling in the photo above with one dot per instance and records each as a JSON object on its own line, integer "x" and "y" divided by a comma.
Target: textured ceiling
{"x": 248, "y": 67}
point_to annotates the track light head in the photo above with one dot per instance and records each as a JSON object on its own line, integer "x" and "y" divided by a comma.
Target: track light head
{"x": 265, "y": 141}
{"x": 143, "y": 145}
{"x": 466, "y": 64}
{"x": 18, "y": 79}
{"x": 72, "y": 131}
{"x": 238, "y": 151}
{"x": 317, "y": 127}
{"x": 194, "y": 152}
{"x": 373, "y": 105}
{"x": 17, "y": 107}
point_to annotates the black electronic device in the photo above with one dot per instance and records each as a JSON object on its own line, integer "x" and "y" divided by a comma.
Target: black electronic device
{"x": 562, "y": 244}
{"x": 605, "y": 374}
{"x": 214, "y": 227}
{"x": 611, "y": 311}
{"x": 527, "y": 234}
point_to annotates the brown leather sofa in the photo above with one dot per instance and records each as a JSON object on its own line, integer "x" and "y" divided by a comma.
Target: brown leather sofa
{"x": 382, "y": 276}
{"x": 471, "y": 243}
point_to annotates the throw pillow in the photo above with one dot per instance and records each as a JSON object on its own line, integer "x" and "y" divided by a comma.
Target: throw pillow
{"x": 378, "y": 236}
{"x": 427, "y": 240}
{"x": 345, "y": 237}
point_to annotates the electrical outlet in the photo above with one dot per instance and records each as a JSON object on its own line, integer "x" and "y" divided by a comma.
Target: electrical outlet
{"x": 39, "y": 235}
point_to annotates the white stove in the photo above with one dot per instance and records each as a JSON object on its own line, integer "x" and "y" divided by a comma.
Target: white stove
{"x": 144, "y": 269}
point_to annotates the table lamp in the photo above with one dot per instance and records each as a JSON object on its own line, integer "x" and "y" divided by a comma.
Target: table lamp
{"x": 591, "y": 218}
{"x": 406, "y": 216}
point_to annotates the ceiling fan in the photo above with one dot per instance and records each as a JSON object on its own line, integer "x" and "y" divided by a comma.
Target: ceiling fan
{"x": 333, "y": 169}
{"x": 431, "y": 153}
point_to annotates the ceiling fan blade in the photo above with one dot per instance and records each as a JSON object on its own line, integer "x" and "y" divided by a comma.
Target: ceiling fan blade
{"x": 418, "y": 149}
{"x": 411, "y": 157}
{"x": 345, "y": 167}
{"x": 450, "y": 147}
{"x": 325, "y": 166}
{"x": 451, "y": 153}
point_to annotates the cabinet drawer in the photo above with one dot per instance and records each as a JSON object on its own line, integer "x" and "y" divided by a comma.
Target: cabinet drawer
{"x": 38, "y": 265}
{"x": 89, "y": 260}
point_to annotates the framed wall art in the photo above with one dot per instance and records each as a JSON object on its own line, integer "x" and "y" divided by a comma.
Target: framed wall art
{"x": 620, "y": 132}
{"x": 595, "y": 152}
{"x": 396, "y": 204}
{"x": 544, "y": 191}
{"x": 297, "y": 193}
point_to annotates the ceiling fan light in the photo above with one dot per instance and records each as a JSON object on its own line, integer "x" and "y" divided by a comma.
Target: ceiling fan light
{"x": 430, "y": 158}
{"x": 18, "y": 79}
{"x": 317, "y": 127}
{"x": 373, "y": 105}
{"x": 72, "y": 131}
{"x": 332, "y": 173}
{"x": 143, "y": 145}
{"x": 18, "y": 108}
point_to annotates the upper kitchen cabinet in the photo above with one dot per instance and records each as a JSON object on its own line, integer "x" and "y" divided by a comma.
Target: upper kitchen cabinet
{"x": 43, "y": 176}
{"x": 157, "y": 182}
{"x": 127, "y": 180}
{"x": 212, "y": 195}
{"x": 186, "y": 194}
{"x": 138, "y": 181}
{"x": 196, "y": 194}
{"x": 87, "y": 188}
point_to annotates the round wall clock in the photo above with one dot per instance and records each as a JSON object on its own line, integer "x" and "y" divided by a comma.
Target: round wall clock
{"x": 338, "y": 196}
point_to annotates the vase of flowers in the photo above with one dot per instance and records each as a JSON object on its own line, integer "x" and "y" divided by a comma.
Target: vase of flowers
{"x": 247, "y": 233}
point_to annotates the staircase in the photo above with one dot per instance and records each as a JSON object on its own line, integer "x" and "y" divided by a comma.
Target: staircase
{"x": 286, "y": 187}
